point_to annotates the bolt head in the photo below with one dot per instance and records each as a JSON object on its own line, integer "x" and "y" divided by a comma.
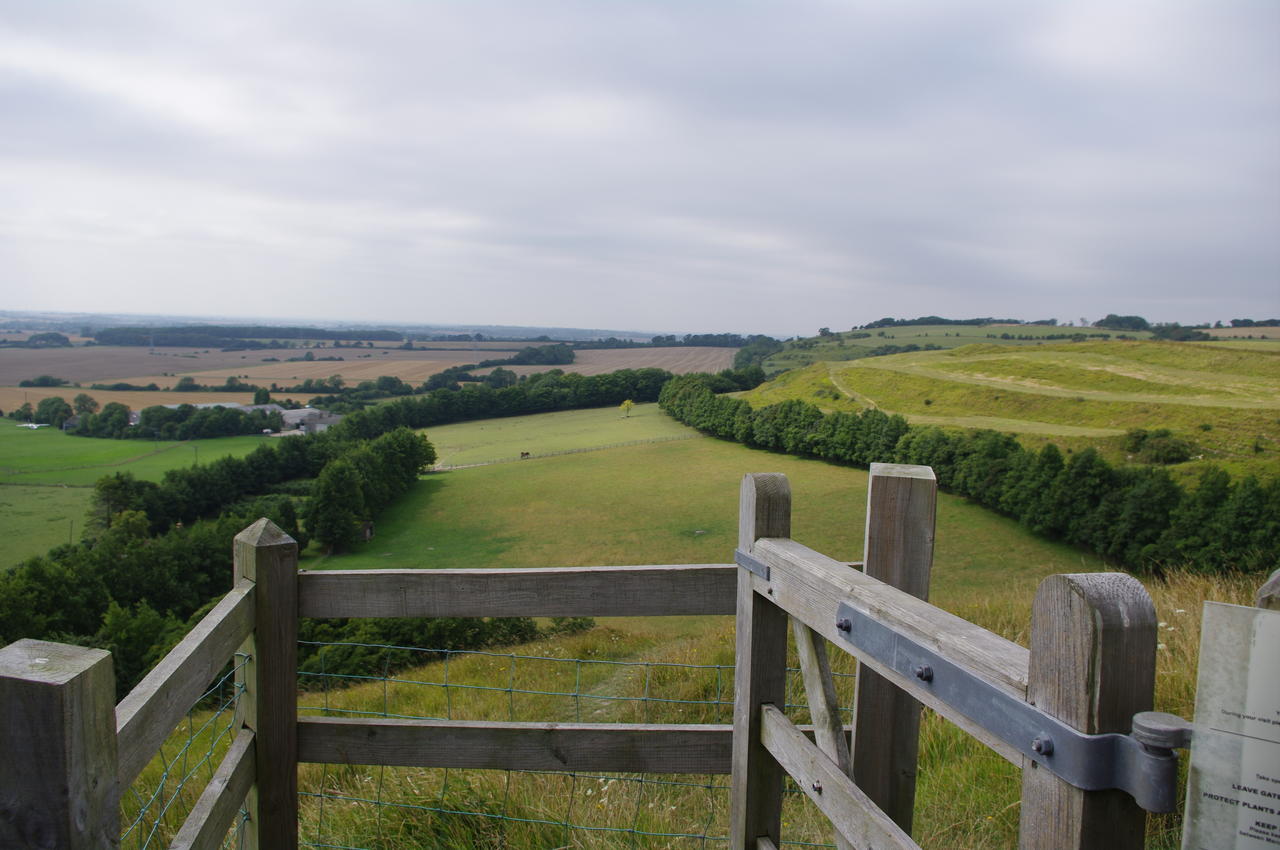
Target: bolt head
{"x": 844, "y": 624}
{"x": 1043, "y": 746}
{"x": 924, "y": 673}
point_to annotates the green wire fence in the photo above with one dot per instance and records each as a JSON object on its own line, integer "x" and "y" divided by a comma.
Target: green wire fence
{"x": 349, "y": 807}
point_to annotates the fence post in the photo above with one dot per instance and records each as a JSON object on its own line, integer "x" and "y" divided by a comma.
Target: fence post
{"x": 1093, "y": 656}
{"x": 58, "y": 736}
{"x": 269, "y": 703}
{"x": 755, "y": 796}
{"x": 901, "y": 510}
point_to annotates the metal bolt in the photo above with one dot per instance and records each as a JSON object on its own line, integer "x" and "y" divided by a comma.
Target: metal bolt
{"x": 1043, "y": 745}
{"x": 817, "y": 787}
{"x": 924, "y": 673}
{"x": 844, "y": 624}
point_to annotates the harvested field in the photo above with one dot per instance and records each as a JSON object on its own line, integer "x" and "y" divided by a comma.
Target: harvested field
{"x": 108, "y": 363}
{"x": 163, "y": 366}
{"x": 411, "y": 366}
{"x": 676, "y": 360}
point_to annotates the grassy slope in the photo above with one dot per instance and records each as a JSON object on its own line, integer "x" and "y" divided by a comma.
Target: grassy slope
{"x": 843, "y": 346}
{"x": 504, "y": 439}
{"x": 46, "y": 479}
{"x": 670, "y": 503}
{"x": 1075, "y": 393}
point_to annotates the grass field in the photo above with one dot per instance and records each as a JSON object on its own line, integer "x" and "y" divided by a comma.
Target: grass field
{"x": 1226, "y": 401}
{"x": 46, "y": 479}
{"x": 548, "y": 433}
{"x": 850, "y": 345}
{"x": 670, "y": 503}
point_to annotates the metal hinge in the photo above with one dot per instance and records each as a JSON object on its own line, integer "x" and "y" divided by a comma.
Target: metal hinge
{"x": 751, "y": 564}
{"x": 1142, "y": 764}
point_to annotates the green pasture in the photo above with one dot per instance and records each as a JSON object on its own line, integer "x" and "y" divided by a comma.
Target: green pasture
{"x": 671, "y": 503}
{"x": 547, "y": 433}
{"x": 1227, "y": 402}
{"x": 35, "y": 519}
{"x": 48, "y": 456}
{"x": 849, "y": 345}
{"x": 47, "y": 477}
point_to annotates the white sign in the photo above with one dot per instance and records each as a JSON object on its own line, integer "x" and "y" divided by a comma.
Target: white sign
{"x": 1233, "y": 785}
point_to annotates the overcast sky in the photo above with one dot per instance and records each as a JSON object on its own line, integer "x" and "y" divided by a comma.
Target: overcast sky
{"x": 666, "y": 166}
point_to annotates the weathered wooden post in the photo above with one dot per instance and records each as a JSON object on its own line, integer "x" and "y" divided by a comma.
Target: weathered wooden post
{"x": 901, "y": 510}
{"x": 755, "y": 796}
{"x": 1093, "y": 656}
{"x": 268, "y": 705}
{"x": 58, "y": 740}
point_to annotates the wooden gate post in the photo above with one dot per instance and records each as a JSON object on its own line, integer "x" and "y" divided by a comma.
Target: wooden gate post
{"x": 1093, "y": 659}
{"x": 269, "y": 703}
{"x": 58, "y": 739}
{"x": 901, "y": 509}
{"x": 755, "y": 795}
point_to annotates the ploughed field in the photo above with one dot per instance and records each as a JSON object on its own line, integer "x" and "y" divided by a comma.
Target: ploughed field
{"x": 1225, "y": 400}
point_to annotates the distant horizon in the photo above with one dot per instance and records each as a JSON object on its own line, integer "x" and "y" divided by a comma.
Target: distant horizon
{"x": 489, "y": 328}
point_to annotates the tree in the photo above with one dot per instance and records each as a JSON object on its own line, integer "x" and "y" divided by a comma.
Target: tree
{"x": 336, "y": 508}
{"x": 84, "y": 403}
{"x": 261, "y": 396}
{"x": 54, "y": 410}
{"x": 626, "y": 406}
{"x": 24, "y": 413}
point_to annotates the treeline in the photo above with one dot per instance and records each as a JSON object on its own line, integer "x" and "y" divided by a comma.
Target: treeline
{"x": 937, "y": 320}
{"x": 724, "y": 340}
{"x": 229, "y": 336}
{"x": 155, "y": 554}
{"x": 1138, "y": 517}
{"x": 184, "y": 422}
{"x": 558, "y": 354}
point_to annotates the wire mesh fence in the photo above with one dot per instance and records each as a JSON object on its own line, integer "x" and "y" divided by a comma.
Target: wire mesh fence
{"x": 352, "y": 807}
{"x": 154, "y": 807}
{"x": 387, "y": 808}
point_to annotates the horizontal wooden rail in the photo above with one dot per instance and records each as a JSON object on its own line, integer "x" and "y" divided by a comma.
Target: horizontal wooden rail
{"x": 555, "y": 592}
{"x": 850, "y": 810}
{"x": 810, "y": 586}
{"x": 622, "y": 747}
{"x": 213, "y": 814}
{"x": 154, "y": 707}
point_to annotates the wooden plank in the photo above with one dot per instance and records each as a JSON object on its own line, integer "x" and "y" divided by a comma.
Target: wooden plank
{"x": 693, "y": 589}
{"x": 765, "y": 843}
{"x": 1268, "y": 596}
{"x": 1093, "y": 652}
{"x": 824, "y": 708}
{"x": 155, "y": 706}
{"x": 57, "y": 733}
{"x": 859, "y": 820}
{"x": 625, "y": 747}
{"x": 755, "y": 793}
{"x": 810, "y": 586}
{"x": 219, "y": 804}
{"x": 901, "y": 507}
{"x": 268, "y": 706}
{"x": 815, "y": 669}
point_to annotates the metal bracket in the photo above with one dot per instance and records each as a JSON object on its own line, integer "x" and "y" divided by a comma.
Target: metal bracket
{"x": 751, "y": 564}
{"x": 1091, "y": 762}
